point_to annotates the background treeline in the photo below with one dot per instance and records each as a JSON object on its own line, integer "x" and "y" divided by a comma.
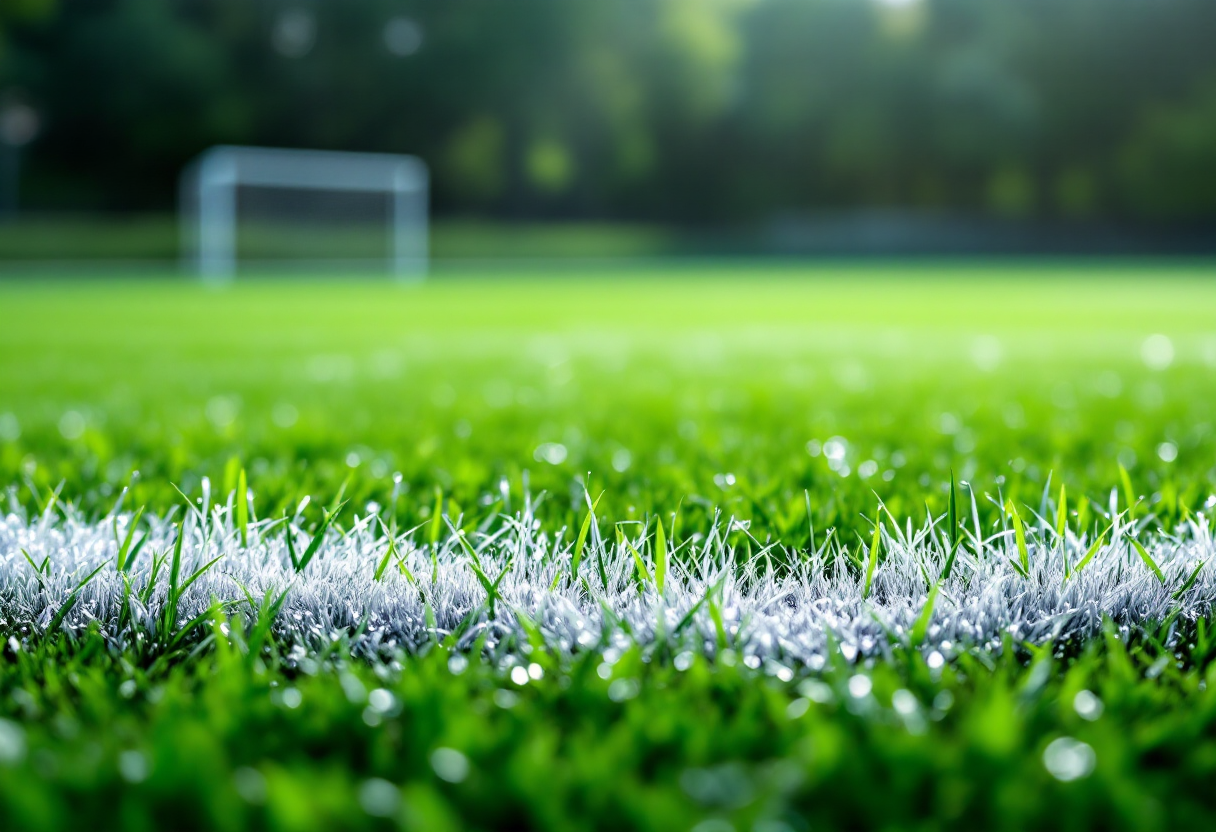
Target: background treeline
{"x": 668, "y": 110}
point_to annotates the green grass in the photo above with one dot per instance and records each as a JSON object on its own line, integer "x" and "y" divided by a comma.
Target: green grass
{"x": 701, "y": 384}
{"x": 674, "y": 392}
{"x": 97, "y": 239}
{"x": 226, "y": 742}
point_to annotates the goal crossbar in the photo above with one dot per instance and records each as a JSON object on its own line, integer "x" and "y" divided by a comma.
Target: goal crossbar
{"x": 208, "y": 197}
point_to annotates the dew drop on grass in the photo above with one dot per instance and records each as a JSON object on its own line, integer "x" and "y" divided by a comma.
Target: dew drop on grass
{"x": 133, "y": 766}
{"x": 836, "y": 448}
{"x": 10, "y": 428}
{"x": 798, "y": 708}
{"x": 1068, "y": 759}
{"x": 860, "y": 686}
{"x": 986, "y": 352}
{"x": 381, "y": 700}
{"x": 623, "y": 689}
{"x": 1087, "y": 705}
{"x": 816, "y": 691}
{"x": 519, "y": 675}
{"x": 450, "y": 765}
{"x": 250, "y": 785}
{"x": 12, "y": 742}
{"x": 355, "y": 692}
{"x": 379, "y": 798}
{"x": 222, "y": 411}
{"x": 621, "y": 460}
{"x": 71, "y": 425}
{"x": 904, "y": 702}
{"x": 553, "y": 453}
{"x": 1157, "y": 352}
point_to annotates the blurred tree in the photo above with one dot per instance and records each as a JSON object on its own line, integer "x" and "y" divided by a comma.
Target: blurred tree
{"x": 680, "y": 110}
{"x": 1168, "y": 166}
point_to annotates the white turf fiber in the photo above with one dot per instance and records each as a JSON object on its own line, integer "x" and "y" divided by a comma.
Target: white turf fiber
{"x": 713, "y": 595}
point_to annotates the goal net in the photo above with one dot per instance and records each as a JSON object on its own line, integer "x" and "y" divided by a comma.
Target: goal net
{"x": 270, "y": 209}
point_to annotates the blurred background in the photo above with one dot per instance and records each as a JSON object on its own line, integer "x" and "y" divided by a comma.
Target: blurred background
{"x": 634, "y": 127}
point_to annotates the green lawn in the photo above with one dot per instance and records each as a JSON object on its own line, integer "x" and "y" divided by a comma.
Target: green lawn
{"x": 657, "y": 383}
{"x": 51, "y": 242}
{"x": 755, "y": 388}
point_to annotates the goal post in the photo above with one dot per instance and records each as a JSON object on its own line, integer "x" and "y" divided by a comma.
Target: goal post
{"x": 210, "y": 203}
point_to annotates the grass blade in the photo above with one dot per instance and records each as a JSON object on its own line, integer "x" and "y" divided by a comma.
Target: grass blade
{"x": 920, "y": 629}
{"x": 291, "y": 549}
{"x": 491, "y": 587}
{"x": 267, "y": 611}
{"x": 686, "y": 619}
{"x": 314, "y": 545}
{"x": 338, "y": 502}
{"x": 40, "y": 571}
{"x": 1019, "y": 533}
{"x": 582, "y": 538}
{"x": 1129, "y": 493}
{"x": 952, "y": 516}
{"x": 436, "y": 520}
{"x": 1148, "y": 560}
{"x": 198, "y": 574}
{"x": 70, "y": 602}
{"x": 121, "y": 560}
{"x": 1062, "y": 515}
{"x": 389, "y": 553}
{"x": 639, "y": 563}
{"x": 169, "y": 614}
{"x": 810, "y": 521}
{"x": 660, "y": 556}
{"x": 190, "y": 625}
{"x": 1089, "y": 555}
{"x": 133, "y": 555}
{"x": 175, "y": 565}
{"x": 707, "y": 598}
{"x": 242, "y": 507}
{"x": 1190, "y": 582}
{"x": 872, "y": 560}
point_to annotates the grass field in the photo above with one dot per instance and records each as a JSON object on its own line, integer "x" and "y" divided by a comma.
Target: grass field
{"x": 597, "y": 549}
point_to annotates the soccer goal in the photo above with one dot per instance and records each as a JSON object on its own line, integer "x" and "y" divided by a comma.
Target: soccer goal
{"x": 272, "y": 209}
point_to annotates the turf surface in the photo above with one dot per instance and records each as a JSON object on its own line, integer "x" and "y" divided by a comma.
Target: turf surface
{"x": 701, "y": 384}
{"x": 753, "y": 389}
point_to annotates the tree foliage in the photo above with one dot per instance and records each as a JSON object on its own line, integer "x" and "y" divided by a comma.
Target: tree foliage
{"x": 680, "y": 109}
